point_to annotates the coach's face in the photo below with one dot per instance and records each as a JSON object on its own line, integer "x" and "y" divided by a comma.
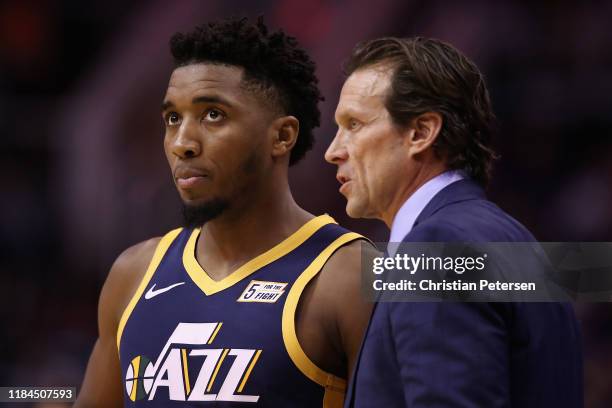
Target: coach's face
{"x": 370, "y": 151}
{"x": 215, "y": 133}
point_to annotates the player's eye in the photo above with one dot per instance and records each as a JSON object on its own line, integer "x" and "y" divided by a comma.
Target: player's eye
{"x": 173, "y": 119}
{"x": 213, "y": 115}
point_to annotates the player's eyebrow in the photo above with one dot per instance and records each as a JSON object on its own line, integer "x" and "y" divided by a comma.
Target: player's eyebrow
{"x": 166, "y": 105}
{"x": 201, "y": 99}
{"x": 211, "y": 99}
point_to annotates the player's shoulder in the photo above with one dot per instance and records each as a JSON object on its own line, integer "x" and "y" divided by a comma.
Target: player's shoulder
{"x": 134, "y": 259}
{"x": 339, "y": 288}
{"x": 345, "y": 262}
{"x": 352, "y": 252}
{"x": 125, "y": 275}
{"x": 133, "y": 262}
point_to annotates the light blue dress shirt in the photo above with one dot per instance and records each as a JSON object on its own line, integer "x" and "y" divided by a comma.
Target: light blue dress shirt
{"x": 412, "y": 207}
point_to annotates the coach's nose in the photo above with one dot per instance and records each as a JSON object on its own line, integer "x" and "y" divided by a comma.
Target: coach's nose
{"x": 336, "y": 152}
{"x": 187, "y": 143}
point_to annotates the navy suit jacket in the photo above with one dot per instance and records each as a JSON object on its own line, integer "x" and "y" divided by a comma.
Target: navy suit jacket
{"x": 468, "y": 354}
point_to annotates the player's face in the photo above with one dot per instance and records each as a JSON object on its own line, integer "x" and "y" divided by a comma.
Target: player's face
{"x": 368, "y": 148}
{"x": 215, "y": 132}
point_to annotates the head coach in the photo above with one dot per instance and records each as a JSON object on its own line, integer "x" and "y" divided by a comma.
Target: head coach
{"x": 413, "y": 149}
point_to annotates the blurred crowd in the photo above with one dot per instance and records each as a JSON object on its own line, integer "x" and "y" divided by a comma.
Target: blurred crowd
{"x": 83, "y": 173}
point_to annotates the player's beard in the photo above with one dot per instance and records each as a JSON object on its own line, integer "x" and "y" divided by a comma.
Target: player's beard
{"x": 198, "y": 215}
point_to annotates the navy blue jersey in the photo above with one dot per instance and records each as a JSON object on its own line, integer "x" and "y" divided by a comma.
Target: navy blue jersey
{"x": 188, "y": 340}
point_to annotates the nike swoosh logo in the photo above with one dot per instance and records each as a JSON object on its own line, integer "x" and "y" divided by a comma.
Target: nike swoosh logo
{"x": 151, "y": 293}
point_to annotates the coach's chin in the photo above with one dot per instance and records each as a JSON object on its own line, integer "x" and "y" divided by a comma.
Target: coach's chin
{"x": 413, "y": 149}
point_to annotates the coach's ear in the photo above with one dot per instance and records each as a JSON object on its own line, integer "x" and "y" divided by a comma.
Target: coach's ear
{"x": 284, "y": 135}
{"x": 423, "y": 132}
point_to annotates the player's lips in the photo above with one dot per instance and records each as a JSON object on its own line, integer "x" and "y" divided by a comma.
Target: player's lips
{"x": 189, "y": 177}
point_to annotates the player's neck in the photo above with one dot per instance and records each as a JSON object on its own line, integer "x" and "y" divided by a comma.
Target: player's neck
{"x": 237, "y": 236}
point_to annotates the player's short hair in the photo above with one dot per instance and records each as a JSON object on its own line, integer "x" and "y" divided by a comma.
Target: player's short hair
{"x": 274, "y": 64}
{"x": 432, "y": 76}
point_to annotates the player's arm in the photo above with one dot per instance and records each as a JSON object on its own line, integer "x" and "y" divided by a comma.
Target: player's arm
{"x": 102, "y": 385}
{"x": 350, "y": 310}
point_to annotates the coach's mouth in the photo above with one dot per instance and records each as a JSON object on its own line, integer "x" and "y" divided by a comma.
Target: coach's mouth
{"x": 342, "y": 179}
{"x": 345, "y": 183}
{"x": 344, "y": 188}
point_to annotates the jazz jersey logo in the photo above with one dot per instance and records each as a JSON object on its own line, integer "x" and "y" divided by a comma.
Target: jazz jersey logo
{"x": 144, "y": 378}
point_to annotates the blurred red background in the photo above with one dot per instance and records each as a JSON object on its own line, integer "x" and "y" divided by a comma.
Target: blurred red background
{"x": 83, "y": 173}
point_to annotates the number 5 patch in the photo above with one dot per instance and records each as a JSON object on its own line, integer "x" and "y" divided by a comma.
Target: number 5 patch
{"x": 263, "y": 291}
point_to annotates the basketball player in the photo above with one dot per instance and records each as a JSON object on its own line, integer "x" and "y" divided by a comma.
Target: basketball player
{"x": 255, "y": 302}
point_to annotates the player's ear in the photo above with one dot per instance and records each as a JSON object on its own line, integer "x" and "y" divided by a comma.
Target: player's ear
{"x": 423, "y": 131}
{"x": 284, "y": 135}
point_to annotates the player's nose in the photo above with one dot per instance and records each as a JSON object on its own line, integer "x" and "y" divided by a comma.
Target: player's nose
{"x": 187, "y": 143}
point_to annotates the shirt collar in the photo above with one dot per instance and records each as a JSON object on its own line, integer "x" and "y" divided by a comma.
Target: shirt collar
{"x": 412, "y": 207}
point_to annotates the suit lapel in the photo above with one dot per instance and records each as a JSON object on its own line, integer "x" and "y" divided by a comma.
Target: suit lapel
{"x": 462, "y": 190}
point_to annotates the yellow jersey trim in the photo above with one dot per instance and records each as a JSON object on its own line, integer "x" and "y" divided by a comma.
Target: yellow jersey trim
{"x": 212, "y": 337}
{"x": 186, "y": 372}
{"x": 136, "y": 364}
{"x": 334, "y": 386}
{"x": 212, "y": 379}
{"x": 158, "y": 255}
{"x": 210, "y": 286}
{"x": 248, "y": 372}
